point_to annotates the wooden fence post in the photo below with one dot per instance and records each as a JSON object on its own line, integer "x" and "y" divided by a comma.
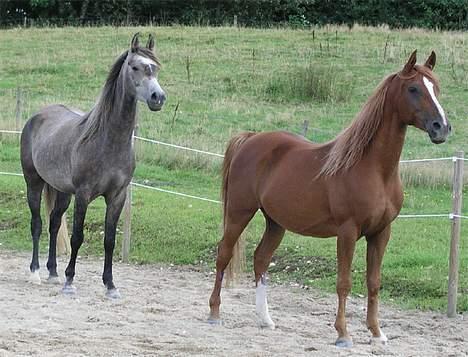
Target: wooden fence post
{"x": 127, "y": 211}
{"x": 305, "y": 127}
{"x": 127, "y": 224}
{"x": 457, "y": 195}
{"x": 19, "y": 108}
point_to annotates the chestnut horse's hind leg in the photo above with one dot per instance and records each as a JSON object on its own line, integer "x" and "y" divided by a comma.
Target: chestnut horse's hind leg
{"x": 375, "y": 250}
{"x": 61, "y": 204}
{"x": 346, "y": 243}
{"x": 271, "y": 239}
{"x": 233, "y": 227}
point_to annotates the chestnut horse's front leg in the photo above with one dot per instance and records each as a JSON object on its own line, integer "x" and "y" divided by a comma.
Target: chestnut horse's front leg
{"x": 346, "y": 242}
{"x": 376, "y": 245}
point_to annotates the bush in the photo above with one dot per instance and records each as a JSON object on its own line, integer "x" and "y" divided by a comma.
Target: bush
{"x": 442, "y": 14}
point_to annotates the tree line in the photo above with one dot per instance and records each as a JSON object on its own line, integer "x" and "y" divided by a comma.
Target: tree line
{"x": 440, "y": 14}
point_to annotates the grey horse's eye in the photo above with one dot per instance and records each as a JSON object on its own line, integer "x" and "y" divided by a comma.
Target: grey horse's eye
{"x": 135, "y": 68}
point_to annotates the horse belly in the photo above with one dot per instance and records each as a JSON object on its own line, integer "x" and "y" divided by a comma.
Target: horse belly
{"x": 306, "y": 214}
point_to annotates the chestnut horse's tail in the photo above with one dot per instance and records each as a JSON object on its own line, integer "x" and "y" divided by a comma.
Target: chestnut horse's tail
{"x": 237, "y": 263}
{"x": 63, "y": 243}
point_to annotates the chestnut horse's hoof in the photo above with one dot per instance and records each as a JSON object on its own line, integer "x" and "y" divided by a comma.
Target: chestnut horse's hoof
{"x": 344, "y": 342}
{"x": 268, "y": 325}
{"x": 113, "y": 294}
{"x": 215, "y": 322}
{"x": 381, "y": 340}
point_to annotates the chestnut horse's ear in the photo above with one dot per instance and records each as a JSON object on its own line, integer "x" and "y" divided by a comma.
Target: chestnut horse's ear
{"x": 431, "y": 61}
{"x": 410, "y": 64}
{"x": 135, "y": 43}
{"x": 150, "y": 43}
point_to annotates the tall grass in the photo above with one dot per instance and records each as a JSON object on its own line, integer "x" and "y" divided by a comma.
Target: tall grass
{"x": 309, "y": 83}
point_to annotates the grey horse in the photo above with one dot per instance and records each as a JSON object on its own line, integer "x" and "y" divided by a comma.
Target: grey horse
{"x": 88, "y": 155}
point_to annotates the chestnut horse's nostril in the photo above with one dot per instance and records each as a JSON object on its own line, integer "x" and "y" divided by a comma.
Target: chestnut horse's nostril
{"x": 449, "y": 128}
{"x": 436, "y": 125}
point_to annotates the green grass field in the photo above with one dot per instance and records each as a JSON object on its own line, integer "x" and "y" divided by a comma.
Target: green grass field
{"x": 226, "y": 80}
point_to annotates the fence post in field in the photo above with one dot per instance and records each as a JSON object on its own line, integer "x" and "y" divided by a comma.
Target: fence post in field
{"x": 127, "y": 214}
{"x": 127, "y": 224}
{"x": 305, "y": 127}
{"x": 456, "y": 225}
{"x": 235, "y": 21}
{"x": 19, "y": 109}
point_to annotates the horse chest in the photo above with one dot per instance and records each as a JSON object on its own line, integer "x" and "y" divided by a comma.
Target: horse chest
{"x": 383, "y": 209}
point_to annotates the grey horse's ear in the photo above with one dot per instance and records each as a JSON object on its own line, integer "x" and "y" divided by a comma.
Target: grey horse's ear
{"x": 431, "y": 61}
{"x": 135, "y": 43}
{"x": 150, "y": 43}
{"x": 410, "y": 64}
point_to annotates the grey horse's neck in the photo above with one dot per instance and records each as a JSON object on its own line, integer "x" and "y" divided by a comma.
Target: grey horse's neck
{"x": 121, "y": 119}
{"x": 113, "y": 118}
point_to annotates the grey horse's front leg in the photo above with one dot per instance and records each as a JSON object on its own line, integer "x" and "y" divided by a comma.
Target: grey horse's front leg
{"x": 81, "y": 206}
{"x": 115, "y": 203}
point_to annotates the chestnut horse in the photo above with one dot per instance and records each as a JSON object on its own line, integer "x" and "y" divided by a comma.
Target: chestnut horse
{"x": 349, "y": 187}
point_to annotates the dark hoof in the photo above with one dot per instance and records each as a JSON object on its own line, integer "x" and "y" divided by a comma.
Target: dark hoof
{"x": 343, "y": 342}
{"x": 113, "y": 294}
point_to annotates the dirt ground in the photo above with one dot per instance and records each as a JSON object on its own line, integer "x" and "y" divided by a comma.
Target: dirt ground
{"x": 163, "y": 312}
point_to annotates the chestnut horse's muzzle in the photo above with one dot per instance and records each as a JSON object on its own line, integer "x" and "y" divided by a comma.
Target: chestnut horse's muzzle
{"x": 438, "y": 130}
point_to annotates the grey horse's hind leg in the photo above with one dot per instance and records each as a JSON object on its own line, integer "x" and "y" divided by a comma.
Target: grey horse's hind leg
{"x": 81, "y": 206}
{"x": 35, "y": 184}
{"x": 115, "y": 204}
{"x": 62, "y": 202}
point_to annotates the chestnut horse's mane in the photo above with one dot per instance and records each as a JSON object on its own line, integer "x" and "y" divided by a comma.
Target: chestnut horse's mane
{"x": 350, "y": 145}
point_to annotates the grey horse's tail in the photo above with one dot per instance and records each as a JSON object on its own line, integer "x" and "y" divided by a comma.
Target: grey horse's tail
{"x": 63, "y": 243}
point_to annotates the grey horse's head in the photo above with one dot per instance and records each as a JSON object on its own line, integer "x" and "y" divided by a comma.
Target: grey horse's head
{"x": 142, "y": 68}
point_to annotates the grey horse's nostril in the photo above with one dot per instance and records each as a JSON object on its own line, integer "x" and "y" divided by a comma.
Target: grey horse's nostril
{"x": 160, "y": 99}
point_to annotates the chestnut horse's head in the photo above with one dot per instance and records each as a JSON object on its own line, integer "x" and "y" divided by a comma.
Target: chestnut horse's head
{"x": 416, "y": 95}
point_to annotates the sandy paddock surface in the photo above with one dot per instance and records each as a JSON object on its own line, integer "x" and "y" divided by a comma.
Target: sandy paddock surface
{"x": 163, "y": 312}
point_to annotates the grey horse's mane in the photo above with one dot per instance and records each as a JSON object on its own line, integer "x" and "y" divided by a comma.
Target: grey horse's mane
{"x": 95, "y": 120}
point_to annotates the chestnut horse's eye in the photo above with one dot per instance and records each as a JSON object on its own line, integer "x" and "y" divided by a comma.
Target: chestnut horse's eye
{"x": 413, "y": 89}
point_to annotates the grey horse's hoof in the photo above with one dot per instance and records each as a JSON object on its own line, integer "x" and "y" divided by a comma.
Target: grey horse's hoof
{"x": 34, "y": 278}
{"x": 69, "y": 289}
{"x": 54, "y": 280}
{"x": 215, "y": 322}
{"x": 113, "y": 294}
{"x": 343, "y": 342}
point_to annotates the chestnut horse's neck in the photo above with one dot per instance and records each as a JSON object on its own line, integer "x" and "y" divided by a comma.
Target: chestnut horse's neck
{"x": 385, "y": 148}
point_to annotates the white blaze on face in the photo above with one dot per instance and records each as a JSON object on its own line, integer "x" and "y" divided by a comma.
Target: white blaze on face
{"x": 430, "y": 88}
{"x": 151, "y": 84}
